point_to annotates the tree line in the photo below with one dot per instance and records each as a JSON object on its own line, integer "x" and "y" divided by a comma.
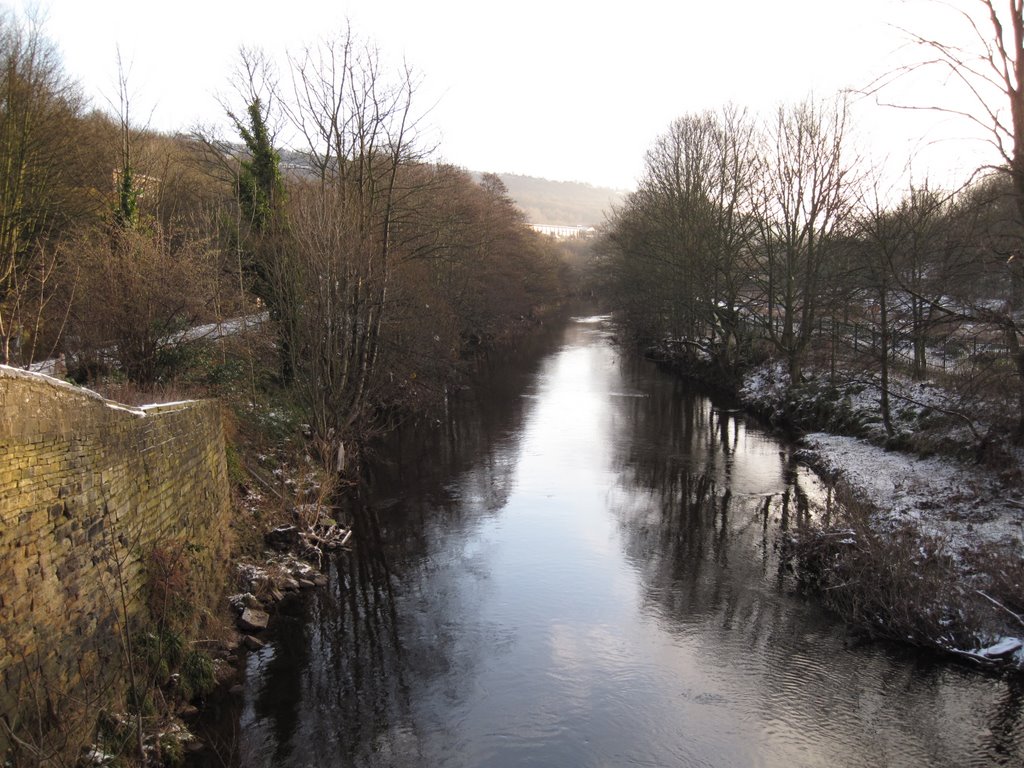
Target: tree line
{"x": 377, "y": 268}
{"x": 751, "y": 237}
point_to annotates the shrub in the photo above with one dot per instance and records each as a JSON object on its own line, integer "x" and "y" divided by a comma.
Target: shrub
{"x": 902, "y": 584}
{"x": 135, "y": 292}
{"x": 196, "y": 676}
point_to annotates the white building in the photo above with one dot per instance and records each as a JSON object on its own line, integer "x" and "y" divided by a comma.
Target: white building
{"x": 564, "y": 231}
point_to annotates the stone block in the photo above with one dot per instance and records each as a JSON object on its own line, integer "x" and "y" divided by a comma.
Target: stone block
{"x": 253, "y": 620}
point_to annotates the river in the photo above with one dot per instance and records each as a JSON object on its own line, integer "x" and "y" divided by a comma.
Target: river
{"x": 579, "y": 566}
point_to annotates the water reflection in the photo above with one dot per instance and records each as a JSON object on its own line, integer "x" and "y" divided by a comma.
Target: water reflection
{"x": 581, "y": 568}
{"x": 702, "y": 499}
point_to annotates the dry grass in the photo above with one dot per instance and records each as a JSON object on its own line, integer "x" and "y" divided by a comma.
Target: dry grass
{"x": 129, "y": 393}
{"x": 903, "y": 585}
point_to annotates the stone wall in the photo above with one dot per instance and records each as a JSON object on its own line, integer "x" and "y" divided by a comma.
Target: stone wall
{"x": 88, "y": 489}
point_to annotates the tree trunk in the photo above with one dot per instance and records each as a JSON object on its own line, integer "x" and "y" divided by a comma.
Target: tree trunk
{"x": 1017, "y": 355}
{"x": 883, "y": 318}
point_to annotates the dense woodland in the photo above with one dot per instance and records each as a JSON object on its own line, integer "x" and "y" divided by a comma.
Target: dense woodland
{"x": 752, "y": 237}
{"x": 378, "y": 269}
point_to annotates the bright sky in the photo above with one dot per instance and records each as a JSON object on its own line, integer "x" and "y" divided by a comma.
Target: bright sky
{"x": 563, "y": 89}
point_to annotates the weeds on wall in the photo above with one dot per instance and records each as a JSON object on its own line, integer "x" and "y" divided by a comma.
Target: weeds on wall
{"x": 121, "y": 705}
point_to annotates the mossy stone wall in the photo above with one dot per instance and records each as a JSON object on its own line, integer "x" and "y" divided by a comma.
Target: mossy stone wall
{"x": 88, "y": 487}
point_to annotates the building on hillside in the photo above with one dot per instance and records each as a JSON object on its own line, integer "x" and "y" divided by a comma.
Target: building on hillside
{"x": 564, "y": 231}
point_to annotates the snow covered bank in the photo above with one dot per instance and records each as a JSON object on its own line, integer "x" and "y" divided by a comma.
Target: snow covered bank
{"x": 932, "y": 550}
{"x": 965, "y": 505}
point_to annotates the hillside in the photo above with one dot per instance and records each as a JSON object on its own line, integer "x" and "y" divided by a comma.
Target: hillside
{"x": 560, "y": 202}
{"x": 542, "y": 200}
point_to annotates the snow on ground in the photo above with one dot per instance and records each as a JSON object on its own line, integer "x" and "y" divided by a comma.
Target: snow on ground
{"x": 951, "y": 497}
{"x": 854, "y": 399}
{"x": 766, "y": 387}
{"x": 965, "y": 505}
{"x": 210, "y": 332}
{"x": 963, "y": 502}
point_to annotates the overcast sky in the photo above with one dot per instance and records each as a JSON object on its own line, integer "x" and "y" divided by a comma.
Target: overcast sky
{"x": 567, "y": 90}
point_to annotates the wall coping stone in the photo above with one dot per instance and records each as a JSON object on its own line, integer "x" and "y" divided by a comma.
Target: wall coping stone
{"x": 10, "y": 372}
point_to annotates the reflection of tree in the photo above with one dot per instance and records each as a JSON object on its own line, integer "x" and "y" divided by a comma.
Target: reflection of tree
{"x": 682, "y": 454}
{"x": 278, "y": 700}
{"x": 703, "y": 549}
{"x": 711, "y": 569}
{"x": 1004, "y": 732}
{"x": 354, "y": 675}
{"x": 337, "y": 686}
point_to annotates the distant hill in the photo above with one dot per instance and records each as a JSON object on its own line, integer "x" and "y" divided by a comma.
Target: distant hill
{"x": 560, "y": 202}
{"x": 567, "y": 203}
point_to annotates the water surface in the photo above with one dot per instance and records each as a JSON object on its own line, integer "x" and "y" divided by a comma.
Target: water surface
{"x": 579, "y": 566}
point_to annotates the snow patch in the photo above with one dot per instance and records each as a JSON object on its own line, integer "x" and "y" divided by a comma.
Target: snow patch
{"x": 965, "y": 505}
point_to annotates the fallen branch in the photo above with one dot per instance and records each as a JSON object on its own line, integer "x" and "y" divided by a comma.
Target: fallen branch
{"x": 1017, "y": 616}
{"x": 975, "y": 657}
{"x": 264, "y": 483}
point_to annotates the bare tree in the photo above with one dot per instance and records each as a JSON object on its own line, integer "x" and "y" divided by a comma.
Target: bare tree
{"x": 38, "y": 109}
{"x": 356, "y": 125}
{"x": 924, "y": 266}
{"x": 990, "y": 69}
{"x": 882, "y": 236}
{"x": 138, "y": 295}
{"x": 262, "y": 238}
{"x": 681, "y": 241}
{"x": 732, "y": 191}
{"x": 803, "y": 204}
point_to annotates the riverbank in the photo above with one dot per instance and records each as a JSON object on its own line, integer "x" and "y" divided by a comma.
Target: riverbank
{"x": 281, "y": 524}
{"x": 929, "y": 549}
